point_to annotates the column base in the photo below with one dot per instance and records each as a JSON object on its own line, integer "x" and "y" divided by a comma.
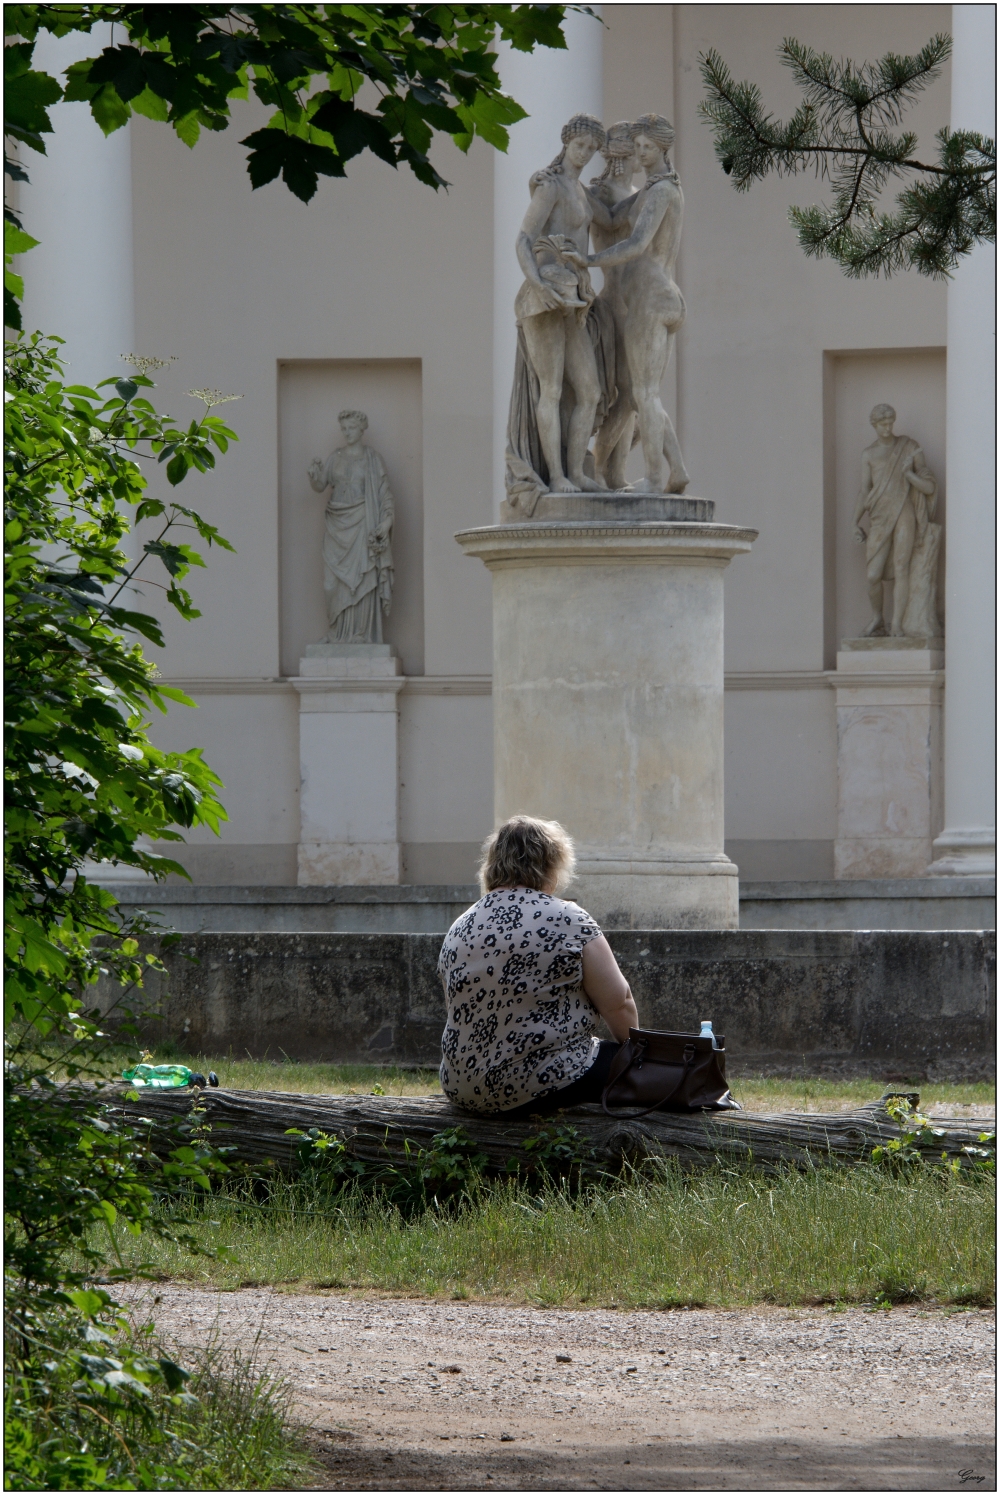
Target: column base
{"x": 660, "y": 895}
{"x": 339, "y": 864}
{"x": 881, "y": 856}
{"x": 965, "y": 854}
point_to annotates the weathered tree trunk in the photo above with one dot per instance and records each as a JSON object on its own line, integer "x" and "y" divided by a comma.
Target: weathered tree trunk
{"x": 255, "y": 1123}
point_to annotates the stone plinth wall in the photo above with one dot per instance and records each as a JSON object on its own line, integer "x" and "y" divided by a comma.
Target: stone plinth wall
{"x": 929, "y": 903}
{"x": 920, "y": 1003}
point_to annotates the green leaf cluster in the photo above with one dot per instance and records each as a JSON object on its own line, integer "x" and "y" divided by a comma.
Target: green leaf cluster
{"x": 919, "y": 1140}
{"x": 95, "y": 1403}
{"x": 422, "y": 69}
{"x": 441, "y": 1173}
{"x": 83, "y": 781}
{"x": 847, "y": 130}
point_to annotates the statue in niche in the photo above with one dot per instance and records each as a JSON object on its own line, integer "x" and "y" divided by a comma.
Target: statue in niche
{"x": 357, "y": 559}
{"x": 899, "y": 493}
{"x": 654, "y": 307}
{"x": 615, "y": 415}
{"x": 557, "y": 386}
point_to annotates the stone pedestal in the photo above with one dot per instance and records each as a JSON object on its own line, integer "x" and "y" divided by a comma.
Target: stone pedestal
{"x": 348, "y": 761}
{"x": 607, "y": 700}
{"x": 889, "y": 756}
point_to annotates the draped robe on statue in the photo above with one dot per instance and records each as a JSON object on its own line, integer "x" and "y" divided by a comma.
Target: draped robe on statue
{"x": 527, "y": 473}
{"x": 357, "y": 568}
{"x": 885, "y": 504}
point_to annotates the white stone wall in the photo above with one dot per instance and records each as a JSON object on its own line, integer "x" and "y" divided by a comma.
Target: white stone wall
{"x": 295, "y": 307}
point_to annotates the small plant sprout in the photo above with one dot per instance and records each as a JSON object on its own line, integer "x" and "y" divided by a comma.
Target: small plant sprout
{"x": 211, "y": 397}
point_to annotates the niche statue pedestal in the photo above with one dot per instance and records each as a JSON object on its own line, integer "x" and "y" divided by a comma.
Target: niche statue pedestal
{"x": 607, "y": 700}
{"x": 348, "y": 719}
{"x": 889, "y": 755}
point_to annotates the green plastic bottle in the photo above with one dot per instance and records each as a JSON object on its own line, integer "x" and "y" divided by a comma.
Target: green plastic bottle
{"x": 161, "y": 1076}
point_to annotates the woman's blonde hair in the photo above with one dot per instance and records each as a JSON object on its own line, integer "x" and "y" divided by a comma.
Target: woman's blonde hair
{"x": 527, "y": 853}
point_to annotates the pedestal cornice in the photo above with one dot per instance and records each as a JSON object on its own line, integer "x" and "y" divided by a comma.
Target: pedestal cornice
{"x": 583, "y": 543}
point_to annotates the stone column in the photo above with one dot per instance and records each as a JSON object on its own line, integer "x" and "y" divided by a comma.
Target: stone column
{"x": 607, "y": 701}
{"x": 552, "y": 86}
{"x": 78, "y": 204}
{"x": 348, "y": 759}
{"x": 78, "y": 279}
{"x": 967, "y": 845}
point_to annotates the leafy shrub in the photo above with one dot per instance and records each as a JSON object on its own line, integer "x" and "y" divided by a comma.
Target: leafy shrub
{"x": 918, "y": 1142}
{"x": 95, "y": 1404}
{"x": 83, "y": 780}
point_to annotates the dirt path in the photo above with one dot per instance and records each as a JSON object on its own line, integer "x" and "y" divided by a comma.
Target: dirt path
{"x": 433, "y": 1395}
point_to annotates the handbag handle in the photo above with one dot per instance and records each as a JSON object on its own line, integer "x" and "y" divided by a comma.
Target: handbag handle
{"x": 616, "y": 1074}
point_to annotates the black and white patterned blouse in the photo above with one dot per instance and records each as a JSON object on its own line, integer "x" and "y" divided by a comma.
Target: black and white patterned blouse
{"x": 519, "y": 1022}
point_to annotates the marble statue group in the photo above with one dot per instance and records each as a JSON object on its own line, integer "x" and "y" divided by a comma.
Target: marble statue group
{"x": 589, "y": 365}
{"x": 898, "y": 494}
{"x": 357, "y": 559}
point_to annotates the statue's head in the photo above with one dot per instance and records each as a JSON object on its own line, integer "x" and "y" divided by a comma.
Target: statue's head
{"x": 581, "y": 136}
{"x": 618, "y": 151}
{"x": 652, "y": 136}
{"x": 883, "y": 418}
{"x": 353, "y": 423}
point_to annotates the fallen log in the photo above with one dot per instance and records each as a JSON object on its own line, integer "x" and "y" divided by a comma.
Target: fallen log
{"x": 256, "y": 1124}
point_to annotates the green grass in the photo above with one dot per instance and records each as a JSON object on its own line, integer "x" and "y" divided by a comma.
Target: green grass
{"x": 754, "y": 1092}
{"x": 236, "y": 1433}
{"x": 834, "y": 1235}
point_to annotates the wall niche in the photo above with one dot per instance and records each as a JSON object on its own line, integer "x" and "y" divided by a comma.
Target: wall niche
{"x": 311, "y": 392}
{"x": 912, "y": 381}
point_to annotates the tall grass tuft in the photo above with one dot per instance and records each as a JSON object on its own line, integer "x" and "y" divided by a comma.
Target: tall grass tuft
{"x": 230, "y": 1429}
{"x": 727, "y": 1237}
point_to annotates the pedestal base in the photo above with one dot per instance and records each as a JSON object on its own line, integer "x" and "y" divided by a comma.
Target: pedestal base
{"x": 348, "y": 765}
{"x": 346, "y": 864}
{"x": 622, "y": 507}
{"x": 889, "y": 756}
{"x": 661, "y": 895}
{"x": 608, "y": 703}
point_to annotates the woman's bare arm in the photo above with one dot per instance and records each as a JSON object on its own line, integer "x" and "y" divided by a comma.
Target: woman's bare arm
{"x": 535, "y": 221}
{"x": 607, "y": 988}
{"x": 650, "y": 217}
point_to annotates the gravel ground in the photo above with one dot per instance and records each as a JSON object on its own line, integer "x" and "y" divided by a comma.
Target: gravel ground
{"x": 404, "y": 1394}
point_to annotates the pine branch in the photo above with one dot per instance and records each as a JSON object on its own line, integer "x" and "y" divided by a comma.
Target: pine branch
{"x": 846, "y": 132}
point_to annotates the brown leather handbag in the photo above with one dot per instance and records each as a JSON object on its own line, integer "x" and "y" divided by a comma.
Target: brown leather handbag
{"x": 668, "y": 1072}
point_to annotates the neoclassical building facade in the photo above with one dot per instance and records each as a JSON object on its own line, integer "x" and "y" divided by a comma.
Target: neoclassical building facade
{"x": 384, "y": 297}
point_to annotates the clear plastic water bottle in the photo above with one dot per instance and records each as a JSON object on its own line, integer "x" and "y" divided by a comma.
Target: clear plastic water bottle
{"x": 706, "y": 1032}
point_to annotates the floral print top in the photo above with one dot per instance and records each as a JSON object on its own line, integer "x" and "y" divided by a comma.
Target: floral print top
{"x": 519, "y": 1022}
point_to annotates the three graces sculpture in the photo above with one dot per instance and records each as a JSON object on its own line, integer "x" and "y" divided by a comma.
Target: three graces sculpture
{"x": 357, "y": 559}
{"x": 588, "y": 365}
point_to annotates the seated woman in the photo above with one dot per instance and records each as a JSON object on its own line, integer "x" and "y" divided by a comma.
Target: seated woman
{"x": 526, "y": 975}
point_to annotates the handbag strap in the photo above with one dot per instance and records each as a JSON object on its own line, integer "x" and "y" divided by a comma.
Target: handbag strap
{"x": 634, "y": 1053}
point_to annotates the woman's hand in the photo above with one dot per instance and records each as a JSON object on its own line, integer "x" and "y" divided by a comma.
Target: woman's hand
{"x": 607, "y": 988}
{"x": 549, "y": 297}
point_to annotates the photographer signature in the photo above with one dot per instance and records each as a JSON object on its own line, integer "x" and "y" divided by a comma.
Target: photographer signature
{"x": 965, "y": 1475}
